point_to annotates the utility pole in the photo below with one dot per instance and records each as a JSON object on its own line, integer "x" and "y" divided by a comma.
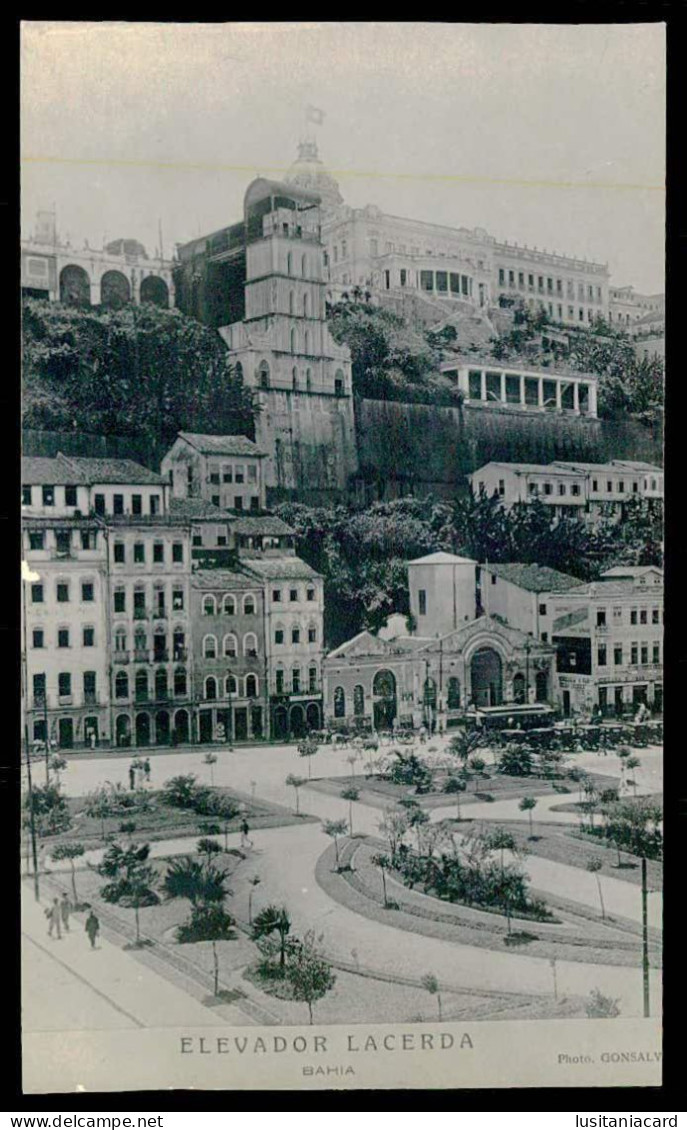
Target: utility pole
{"x": 645, "y": 940}
{"x": 32, "y": 816}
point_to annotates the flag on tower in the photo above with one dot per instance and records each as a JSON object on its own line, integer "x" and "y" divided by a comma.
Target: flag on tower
{"x": 312, "y": 114}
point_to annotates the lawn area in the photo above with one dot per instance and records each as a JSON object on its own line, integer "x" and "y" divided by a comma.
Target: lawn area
{"x": 497, "y": 786}
{"x": 164, "y": 821}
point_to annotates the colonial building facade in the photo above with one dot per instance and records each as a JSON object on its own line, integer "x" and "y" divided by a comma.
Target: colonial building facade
{"x": 224, "y": 470}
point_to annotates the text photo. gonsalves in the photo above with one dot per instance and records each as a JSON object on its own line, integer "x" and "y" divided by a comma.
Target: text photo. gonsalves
{"x": 342, "y": 554}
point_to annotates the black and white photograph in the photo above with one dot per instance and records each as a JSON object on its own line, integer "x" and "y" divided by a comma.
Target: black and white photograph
{"x": 342, "y": 548}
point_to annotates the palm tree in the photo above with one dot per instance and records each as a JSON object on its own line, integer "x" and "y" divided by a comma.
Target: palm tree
{"x": 270, "y": 920}
{"x": 633, "y": 763}
{"x": 350, "y": 793}
{"x": 383, "y": 863}
{"x": 501, "y": 841}
{"x": 211, "y": 760}
{"x": 527, "y": 804}
{"x": 430, "y": 983}
{"x": 205, "y": 888}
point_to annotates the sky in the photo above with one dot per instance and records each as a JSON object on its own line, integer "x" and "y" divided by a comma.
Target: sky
{"x": 551, "y": 136}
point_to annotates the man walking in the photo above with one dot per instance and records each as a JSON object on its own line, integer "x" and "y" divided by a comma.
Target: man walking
{"x": 132, "y": 778}
{"x": 245, "y": 829}
{"x": 65, "y": 911}
{"x": 53, "y": 915}
{"x": 146, "y": 770}
{"x": 92, "y": 928}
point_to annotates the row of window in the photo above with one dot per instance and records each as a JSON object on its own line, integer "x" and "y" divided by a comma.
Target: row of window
{"x": 548, "y": 285}
{"x": 280, "y": 634}
{"x": 64, "y": 543}
{"x": 139, "y": 553}
{"x": 160, "y": 684}
{"x": 295, "y": 683}
{"x": 63, "y": 591}
{"x": 230, "y": 646}
{"x": 639, "y": 655}
{"x": 47, "y": 498}
{"x": 294, "y": 595}
{"x": 637, "y": 616}
{"x": 230, "y": 473}
{"x": 228, "y": 605}
{"x": 64, "y": 686}
{"x": 140, "y": 607}
{"x": 452, "y": 697}
{"x": 235, "y": 502}
{"x": 263, "y": 371}
{"x": 64, "y": 637}
{"x": 232, "y": 686}
{"x": 160, "y": 641}
{"x": 290, "y": 264}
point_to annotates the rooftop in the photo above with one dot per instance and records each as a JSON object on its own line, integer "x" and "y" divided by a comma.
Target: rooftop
{"x": 221, "y": 445}
{"x": 222, "y": 579}
{"x": 197, "y": 509}
{"x": 287, "y": 568}
{"x": 533, "y": 468}
{"x": 110, "y": 471}
{"x": 441, "y": 558}
{"x": 36, "y": 470}
{"x": 631, "y": 571}
{"x": 560, "y": 369}
{"x": 535, "y": 578}
{"x": 268, "y": 525}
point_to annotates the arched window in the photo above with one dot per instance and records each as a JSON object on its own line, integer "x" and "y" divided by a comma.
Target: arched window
{"x": 120, "y": 639}
{"x": 229, "y": 606}
{"x": 180, "y": 681}
{"x": 453, "y": 699}
{"x": 161, "y": 683}
{"x": 339, "y": 702}
{"x": 209, "y": 606}
{"x": 293, "y": 341}
{"x": 251, "y": 686}
{"x": 292, "y": 302}
{"x": 230, "y": 685}
{"x": 250, "y": 644}
{"x": 308, "y": 379}
{"x": 296, "y": 680}
{"x": 312, "y": 632}
{"x": 279, "y": 676}
{"x": 249, "y": 605}
{"x": 294, "y": 378}
{"x": 289, "y": 264}
{"x": 141, "y": 686}
{"x": 306, "y": 306}
{"x": 312, "y": 679}
{"x": 121, "y": 685}
{"x": 307, "y": 341}
{"x": 140, "y": 641}
{"x": 210, "y": 687}
{"x": 264, "y": 375}
{"x": 304, "y": 264}
{"x": 358, "y": 700}
{"x": 230, "y": 646}
{"x": 210, "y": 647}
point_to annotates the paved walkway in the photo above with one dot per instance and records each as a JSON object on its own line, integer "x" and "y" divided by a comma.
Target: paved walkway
{"x": 66, "y": 985}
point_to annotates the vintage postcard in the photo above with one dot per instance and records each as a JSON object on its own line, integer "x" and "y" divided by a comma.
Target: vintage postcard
{"x": 342, "y": 555}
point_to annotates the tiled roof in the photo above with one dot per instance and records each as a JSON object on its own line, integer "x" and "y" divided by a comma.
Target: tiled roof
{"x": 110, "y": 471}
{"x": 535, "y": 578}
{"x": 222, "y": 579}
{"x": 221, "y": 445}
{"x": 267, "y": 525}
{"x": 36, "y": 470}
{"x": 631, "y": 571}
{"x": 442, "y": 559}
{"x": 197, "y": 509}
{"x": 286, "y": 568}
{"x": 527, "y": 468}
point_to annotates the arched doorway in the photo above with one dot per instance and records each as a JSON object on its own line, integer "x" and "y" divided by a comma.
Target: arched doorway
{"x": 162, "y": 728}
{"x": 181, "y": 726}
{"x": 75, "y": 287}
{"x": 542, "y": 686}
{"x": 519, "y": 687}
{"x": 142, "y": 729}
{"x": 312, "y": 716}
{"x": 281, "y": 723}
{"x": 115, "y": 291}
{"x": 297, "y": 721}
{"x": 65, "y": 732}
{"x": 155, "y": 290}
{"x": 123, "y": 730}
{"x": 486, "y": 674}
{"x": 384, "y": 696}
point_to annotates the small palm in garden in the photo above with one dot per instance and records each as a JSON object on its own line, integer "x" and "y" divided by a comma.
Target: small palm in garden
{"x": 70, "y": 852}
{"x": 351, "y": 794}
{"x": 273, "y": 919}
{"x": 296, "y": 783}
{"x": 528, "y": 804}
{"x": 335, "y": 828}
{"x": 594, "y": 867}
{"x": 430, "y": 983}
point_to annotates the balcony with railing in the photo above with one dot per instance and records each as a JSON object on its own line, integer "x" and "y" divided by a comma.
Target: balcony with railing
{"x": 141, "y": 655}
{"x": 140, "y": 613}
{"x": 180, "y": 654}
{"x": 161, "y": 655}
{"x": 122, "y": 657}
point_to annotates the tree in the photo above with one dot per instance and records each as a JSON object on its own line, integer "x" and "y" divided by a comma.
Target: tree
{"x": 465, "y": 743}
{"x": 296, "y": 783}
{"x": 527, "y": 804}
{"x": 205, "y": 888}
{"x": 252, "y": 884}
{"x": 457, "y": 786}
{"x": 516, "y": 760}
{"x": 133, "y": 879}
{"x": 383, "y": 863}
{"x": 50, "y": 811}
{"x": 308, "y": 748}
{"x": 478, "y": 765}
{"x": 600, "y": 1007}
{"x": 207, "y": 847}
{"x": 430, "y": 983}
{"x": 58, "y": 764}
{"x": 335, "y": 828}
{"x": 502, "y": 841}
{"x": 71, "y": 852}
{"x": 273, "y": 919}
{"x": 227, "y": 810}
{"x": 210, "y": 759}
{"x": 310, "y": 975}
{"x": 416, "y": 817}
{"x": 140, "y": 371}
{"x": 633, "y": 763}
{"x": 350, "y": 793}
{"x": 594, "y": 866}
{"x": 393, "y": 827}
{"x": 180, "y": 792}
{"x": 99, "y": 805}
{"x": 195, "y": 880}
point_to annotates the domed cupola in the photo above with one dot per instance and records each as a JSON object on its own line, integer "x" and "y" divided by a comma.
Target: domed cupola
{"x": 309, "y": 173}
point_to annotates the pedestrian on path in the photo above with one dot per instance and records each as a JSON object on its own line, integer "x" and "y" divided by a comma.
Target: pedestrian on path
{"x": 245, "y": 829}
{"x": 146, "y": 770}
{"x": 53, "y": 915}
{"x": 132, "y": 778}
{"x": 65, "y": 911}
{"x": 92, "y": 928}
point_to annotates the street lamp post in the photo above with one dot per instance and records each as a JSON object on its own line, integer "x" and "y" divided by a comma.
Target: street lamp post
{"x": 645, "y": 940}
{"x": 27, "y": 575}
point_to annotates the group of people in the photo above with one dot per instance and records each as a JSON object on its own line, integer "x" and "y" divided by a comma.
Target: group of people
{"x": 58, "y": 915}
{"x": 139, "y": 774}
